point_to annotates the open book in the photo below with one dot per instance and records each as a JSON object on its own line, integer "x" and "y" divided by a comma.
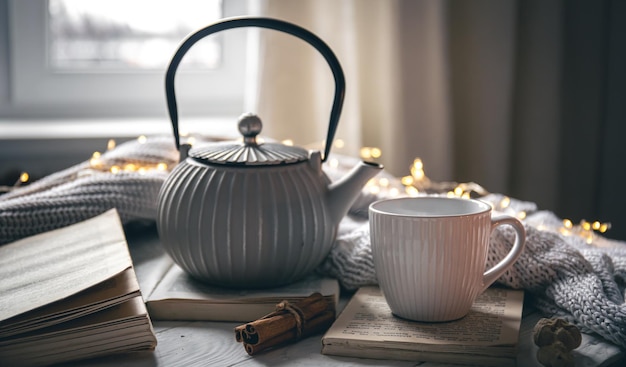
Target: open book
{"x": 70, "y": 294}
{"x": 487, "y": 336}
{"x": 177, "y": 296}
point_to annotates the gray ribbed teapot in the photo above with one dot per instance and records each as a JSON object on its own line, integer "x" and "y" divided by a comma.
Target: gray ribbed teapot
{"x": 247, "y": 214}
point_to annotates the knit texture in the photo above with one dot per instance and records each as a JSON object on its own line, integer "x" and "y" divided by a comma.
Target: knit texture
{"x": 82, "y": 191}
{"x": 563, "y": 275}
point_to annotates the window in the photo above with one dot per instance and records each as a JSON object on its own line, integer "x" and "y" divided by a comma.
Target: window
{"x": 72, "y": 76}
{"x": 91, "y": 58}
{"x": 119, "y": 35}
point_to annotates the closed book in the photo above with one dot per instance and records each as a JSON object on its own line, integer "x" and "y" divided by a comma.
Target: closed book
{"x": 488, "y": 335}
{"x": 178, "y": 296}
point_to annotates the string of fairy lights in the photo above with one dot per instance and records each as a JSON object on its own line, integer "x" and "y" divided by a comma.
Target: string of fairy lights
{"x": 96, "y": 163}
{"x": 417, "y": 183}
{"x": 414, "y": 184}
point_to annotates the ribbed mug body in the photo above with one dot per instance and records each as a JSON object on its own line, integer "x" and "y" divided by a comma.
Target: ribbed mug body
{"x": 245, "y": 227}
{"x": 430, "y": 268}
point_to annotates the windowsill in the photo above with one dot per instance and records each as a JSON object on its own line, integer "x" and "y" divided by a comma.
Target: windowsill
{"x": 113, "y": 128}
{"x": 41, "y": 147}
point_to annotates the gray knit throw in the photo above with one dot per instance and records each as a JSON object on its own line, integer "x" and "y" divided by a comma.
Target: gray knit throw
{"x": 81, "y": 192}
{"x": 564, "y": 276}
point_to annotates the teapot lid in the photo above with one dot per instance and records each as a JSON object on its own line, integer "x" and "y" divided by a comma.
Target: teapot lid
{"x": 249, "y": 152}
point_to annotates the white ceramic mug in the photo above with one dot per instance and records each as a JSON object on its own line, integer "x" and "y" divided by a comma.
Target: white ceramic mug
{"x": 430, "y": 254}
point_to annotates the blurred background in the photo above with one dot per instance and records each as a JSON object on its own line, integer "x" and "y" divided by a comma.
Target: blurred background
{"x": 524, "y": 97}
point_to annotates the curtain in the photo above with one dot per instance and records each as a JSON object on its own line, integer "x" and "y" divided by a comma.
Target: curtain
{"x": 509, "y": 94}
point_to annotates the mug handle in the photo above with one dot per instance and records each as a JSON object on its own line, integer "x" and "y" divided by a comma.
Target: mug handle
{"x": 497, "y": 270}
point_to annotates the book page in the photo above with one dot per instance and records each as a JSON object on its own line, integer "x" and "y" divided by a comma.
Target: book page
{"x": 111, "y": 292}
{"x": 51, "y": 266}
{"x": 122, "y": 327}
{"x": 493, "y": 320}
{"x": 151, "y": 272}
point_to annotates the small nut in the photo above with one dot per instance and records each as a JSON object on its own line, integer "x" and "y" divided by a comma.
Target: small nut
{"x": 543, "y": 332}
{"x": 569, "y": 336}
{"x": 544, "y": 355}
{"x": 555, "y": 355}
{"x": 548, "y": 331}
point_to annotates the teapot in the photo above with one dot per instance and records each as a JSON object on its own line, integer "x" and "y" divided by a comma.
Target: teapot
{"x": 251, "y": 214}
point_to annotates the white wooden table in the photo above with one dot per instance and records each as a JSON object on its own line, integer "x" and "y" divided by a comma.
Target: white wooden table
{"x": 213, "y": 343}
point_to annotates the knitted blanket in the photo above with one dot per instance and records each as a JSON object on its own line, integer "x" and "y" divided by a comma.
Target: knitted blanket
{"x": 564, "y": 275}
{"x": 87, "y": 189}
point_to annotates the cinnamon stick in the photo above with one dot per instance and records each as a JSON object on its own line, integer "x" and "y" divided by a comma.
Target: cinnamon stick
{"x": 270, "y": 327}
{"x": 316, "y": 325}
{"x": 288, "y": 322}
{"x": 278, "y": 323}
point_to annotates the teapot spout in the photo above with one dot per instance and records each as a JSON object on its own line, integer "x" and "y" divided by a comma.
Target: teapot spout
{"x": 343, "y": 192}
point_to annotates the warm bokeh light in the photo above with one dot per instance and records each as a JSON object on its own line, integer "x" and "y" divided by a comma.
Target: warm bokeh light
{"x": 370, "y": 152}
{"x": 111, "y": 144}
{"x": 407, "y": 180}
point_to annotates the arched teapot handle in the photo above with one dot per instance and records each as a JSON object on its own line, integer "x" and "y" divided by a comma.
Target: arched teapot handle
{"x": 275, "y": 24}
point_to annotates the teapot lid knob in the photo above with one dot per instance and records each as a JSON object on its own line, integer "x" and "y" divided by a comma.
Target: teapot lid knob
{"x": 250, "y": 126}
{"x": 250, "y": 153}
